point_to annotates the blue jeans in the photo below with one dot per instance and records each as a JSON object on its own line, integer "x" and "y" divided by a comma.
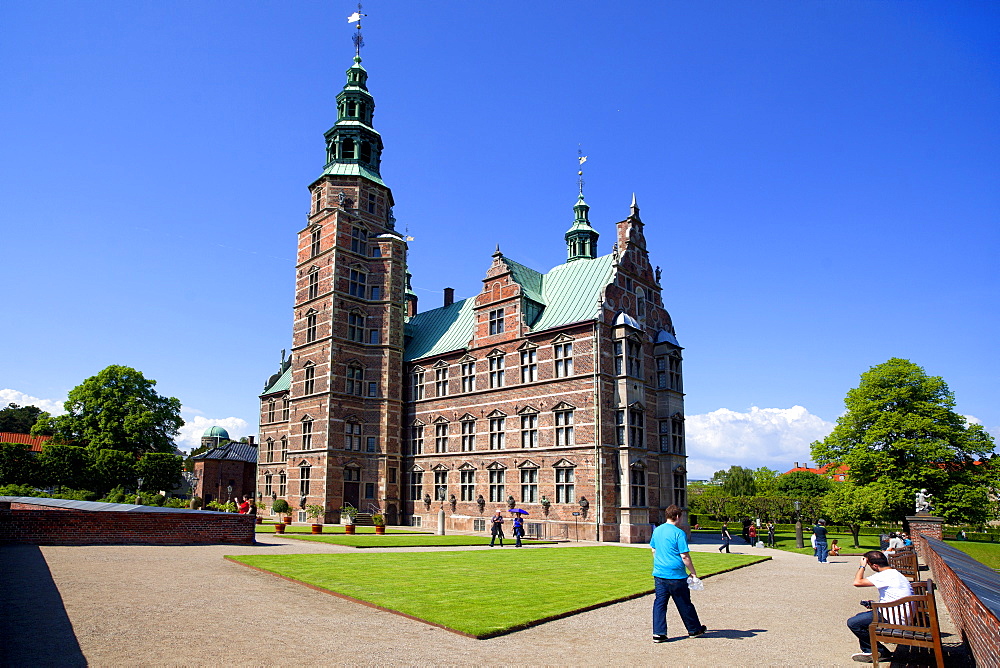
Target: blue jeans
{"x": 821, "y": 550}
{"x": 859, "y": 624}
{"x": 677, "y": 590}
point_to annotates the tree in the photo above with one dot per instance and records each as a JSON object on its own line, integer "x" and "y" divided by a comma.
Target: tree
{"x": 736, "y": 481}
{"x": 766, "y": 481}
{"x": 965, "y": 504}
{"x": 803, "y": 483}
{"x": 852, "y": 504}
{"x": 117, "y": 409}
{"x": 64, "y": 466}
{"x": 18, "y": 419}
{"x": 901, "y": 428}
{"x": 113, "y": 468}
{"x": 17, "y": 464}
{"x": 160, "y": 470}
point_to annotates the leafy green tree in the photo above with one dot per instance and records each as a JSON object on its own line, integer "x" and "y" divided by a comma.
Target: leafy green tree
{"x": 17, "y": 464}
{"x": 117, "y": 409}
{"x": 803, "y": 483}
{"x": 765, "y": 481}
{"x": 113, "y": 468}
{"x": 965, "y": 504}
{"x": 18, "y": 419}
{"x": 853, "y": 505}
{"x": 160, "y": 471}
{"x": 901, "y": 428}
{"x": 64, "y": 466}
{"x": 737, "y": 481}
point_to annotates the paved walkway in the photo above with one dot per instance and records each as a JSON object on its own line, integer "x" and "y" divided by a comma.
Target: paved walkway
{"x": 137, "y": 605}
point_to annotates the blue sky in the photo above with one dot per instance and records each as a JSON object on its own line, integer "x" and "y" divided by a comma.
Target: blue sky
{"x": 818, "y": 181}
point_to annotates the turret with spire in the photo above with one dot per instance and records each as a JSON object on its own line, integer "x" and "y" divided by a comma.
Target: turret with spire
{"x": 581, "y": 239}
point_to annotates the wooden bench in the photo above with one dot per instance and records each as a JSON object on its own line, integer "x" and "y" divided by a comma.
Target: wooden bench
{"x": 911, "y": 620}
{"x": 905, "y": 561}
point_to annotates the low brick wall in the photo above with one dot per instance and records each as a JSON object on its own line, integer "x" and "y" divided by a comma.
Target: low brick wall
{"x": 971, "y": 592}
{"x": 25, "y": 522}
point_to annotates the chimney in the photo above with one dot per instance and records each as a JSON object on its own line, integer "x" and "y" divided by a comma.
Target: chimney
{"x": 250, "y": 440}
{"x": 411, "y": 305}
{"x": 449, "y": 296}
{"x": 796, "y": 465}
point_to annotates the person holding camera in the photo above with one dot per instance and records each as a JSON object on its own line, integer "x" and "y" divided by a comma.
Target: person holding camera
{"x": 891, "y": 584}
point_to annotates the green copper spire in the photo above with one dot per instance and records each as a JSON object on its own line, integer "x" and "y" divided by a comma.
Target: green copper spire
{"x": 353, "y": 147}
{"x": 581, "y": 239}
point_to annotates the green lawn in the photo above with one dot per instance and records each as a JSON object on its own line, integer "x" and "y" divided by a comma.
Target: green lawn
{"x": 485, "y": 593}
{"x": 335, "y": 529}
{"x": 403, "y": 540}
{"x": 986, "y": 553}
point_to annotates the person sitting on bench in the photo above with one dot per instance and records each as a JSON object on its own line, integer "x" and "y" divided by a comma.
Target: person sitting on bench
{"x": 891, "y": 586}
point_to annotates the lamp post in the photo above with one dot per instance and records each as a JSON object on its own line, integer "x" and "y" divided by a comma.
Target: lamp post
{"x": 798, "y": 524}
{"x": 229, "y": 493}
{"x": 138, "y": 496}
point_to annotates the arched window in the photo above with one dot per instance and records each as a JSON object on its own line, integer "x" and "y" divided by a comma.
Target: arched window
{"x": 270, "y": 451}
{"x": 309, "y": 377}
{"x": 307, "y": 430}
{"x": 310, "y": 326}
{"x": 270, "y": 410}
{"x": 283, "y": 452}
{"x": 304, "y": 471}
{"x": 313, "y": 283}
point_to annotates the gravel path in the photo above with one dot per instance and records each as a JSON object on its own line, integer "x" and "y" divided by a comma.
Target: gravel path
{"x": 138, "y": 605}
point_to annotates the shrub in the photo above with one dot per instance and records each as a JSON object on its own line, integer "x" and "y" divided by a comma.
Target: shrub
{"x": 280, "y": 506}
{"x": 19, "y": 490}
{"x": 158, "y": 500}
{"x": 175, "y": 502}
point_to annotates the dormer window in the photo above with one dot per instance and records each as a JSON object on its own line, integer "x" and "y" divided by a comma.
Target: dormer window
{"x": 496, "y": 321}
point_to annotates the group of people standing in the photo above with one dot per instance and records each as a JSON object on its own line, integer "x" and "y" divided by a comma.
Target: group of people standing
{"x": 750, "y": 534}
{"x": 496, "y": 529}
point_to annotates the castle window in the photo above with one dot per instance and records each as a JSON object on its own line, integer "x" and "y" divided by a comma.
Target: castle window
{"x": 318, "y": 199}
{"x": 392, "y": 476}
{"x": 467, "y": 485}
{"x": 283, "y": 452}
{"x": 620, "y": 427}
{"x": 469, "y": 376}
{"x": 370, "y": 444}
{"x": 270, "y": 410}
{"x": 634, "y": 353}
{"x": 529, "y": 368}
{"x": 313, "y": 283}
{"x": 564, "y": 428}
{"x": 285, "y": 403}
{"x": 352, "y": 109}
{"x": 563, "y": 354}
{"x": 372, "y": 389}
{"x": 661, "y": 373}
{"x": 468, "y": 435}
{"x": 347, "y": 149}
{"x": 270, "y": 451}
{"x": 376, "y": 293}
{"x": 640, "y": 304}
{"x": 374, "y": 337}
{"x": 417, "y": 439}
{"x": 417, "y": 385}
{"x": 497, "y": 486}
{"x": 376, "y": 250}
{"x": 497, "y": 436}
{"x": 665, "y": 442}
{"x": 307, "y": 431}
{"x": 356, "y": 283}
{"x": 496, "y": 371}
{"x": 310, "y": 326}
{"x": 309, "y": 385}
{"x": 677, "y": 436}
{"x": 355, "y": 379}
{"x": 441, "y": 381}
{"x": 440, "y": 485}
{"x": 636, "y": 429}
{"x": 416, "y": 485}
{"x": 680, "y": 490}
{"x": 359, "y": 241}
{"x": 638, "y": 486}
{"x": 565, "y": 485}
{"x": 619, "y": 358}
{"x": 529, "y": 431}
{"x": 441, "y": 437}
{"x": 304, "y": 480}
{"x": 267, "y": 485}
{"x": 675, "y": 374}
{"x": 372, "y": 199}
{"x": 352, "y": 436}
{"x": 529, "y": 485}
{"x": 496, "y": 321}
{"x": 314, "y": 242}
{"x": 369, "y": 490}
{"x": 282, "y": 484}
{"x": 356, "y": 327}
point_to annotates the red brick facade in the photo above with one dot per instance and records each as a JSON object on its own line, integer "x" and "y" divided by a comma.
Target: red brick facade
{"x": 39, "y": 525}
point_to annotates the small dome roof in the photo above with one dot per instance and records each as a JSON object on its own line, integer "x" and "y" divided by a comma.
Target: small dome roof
{"x": 215, "y": 432}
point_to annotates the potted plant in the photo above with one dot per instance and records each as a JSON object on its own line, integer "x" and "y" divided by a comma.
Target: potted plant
{"x": 280, "y": 507}
{"x": 350, "y": 512}
{"x": 316, "y": 511}
{"x": 378, "y": 520}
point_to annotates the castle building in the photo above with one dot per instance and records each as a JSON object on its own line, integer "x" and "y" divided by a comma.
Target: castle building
{"x": 558, "y": 392}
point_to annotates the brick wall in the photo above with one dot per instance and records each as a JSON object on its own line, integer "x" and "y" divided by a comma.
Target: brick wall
{"x": 37, "y": 525}
{"x": 958, "y": 578}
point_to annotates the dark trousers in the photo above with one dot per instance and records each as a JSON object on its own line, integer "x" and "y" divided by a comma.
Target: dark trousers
{"x": 859, "y": 624}
{"x": 667, "y": 589}
{"x": 725, "y": 545}
{"x": 497, "y": 533}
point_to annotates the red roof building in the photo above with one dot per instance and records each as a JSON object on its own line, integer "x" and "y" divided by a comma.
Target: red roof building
{"x": 36, "y": 442}
{"x": 839, "y": 473}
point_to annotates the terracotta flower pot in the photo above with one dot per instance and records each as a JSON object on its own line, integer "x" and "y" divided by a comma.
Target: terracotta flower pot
{"x": 317, "y": 528}
{"x": 260, "y": 520}
{"x": 349, "y": 529}
{"x": 380, "y": 530}
{"x": 279, "y": 528}
{"x": 287, "y": 520}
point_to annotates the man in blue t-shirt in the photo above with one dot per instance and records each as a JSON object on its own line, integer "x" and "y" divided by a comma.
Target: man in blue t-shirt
{"x": 671, "y": 564}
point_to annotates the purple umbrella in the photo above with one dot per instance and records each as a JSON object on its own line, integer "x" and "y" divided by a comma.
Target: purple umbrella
{"x": 519, "y": 511}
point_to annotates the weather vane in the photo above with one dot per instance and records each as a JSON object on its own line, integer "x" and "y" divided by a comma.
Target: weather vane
{"x": 582, "y": 159}
{"x": 359, "y": 41}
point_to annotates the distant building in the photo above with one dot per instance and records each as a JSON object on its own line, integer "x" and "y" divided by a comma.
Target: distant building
{"x": 838, "y": 473}
{"x": 228, "y": 470}
{"x": 35, "y": 443}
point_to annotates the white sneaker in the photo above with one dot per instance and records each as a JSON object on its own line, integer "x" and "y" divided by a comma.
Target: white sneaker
{"x": 862, "y": 657}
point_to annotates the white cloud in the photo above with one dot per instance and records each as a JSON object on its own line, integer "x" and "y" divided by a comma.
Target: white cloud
{"x": 53, "y": 406}
{"x": 190, "y": 434}
{"x": 772, "y": 437}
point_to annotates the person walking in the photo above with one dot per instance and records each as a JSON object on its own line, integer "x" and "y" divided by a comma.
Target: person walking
{"x": 821, "y": 545}
{"x": 753, "y": 535}
{"x": 671, "y": 565}
{"x": 770, "y": 534}
{"x": 726, "y": 539}
{"x": 496, "y": 528}
{"x": 518, "y": 530}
